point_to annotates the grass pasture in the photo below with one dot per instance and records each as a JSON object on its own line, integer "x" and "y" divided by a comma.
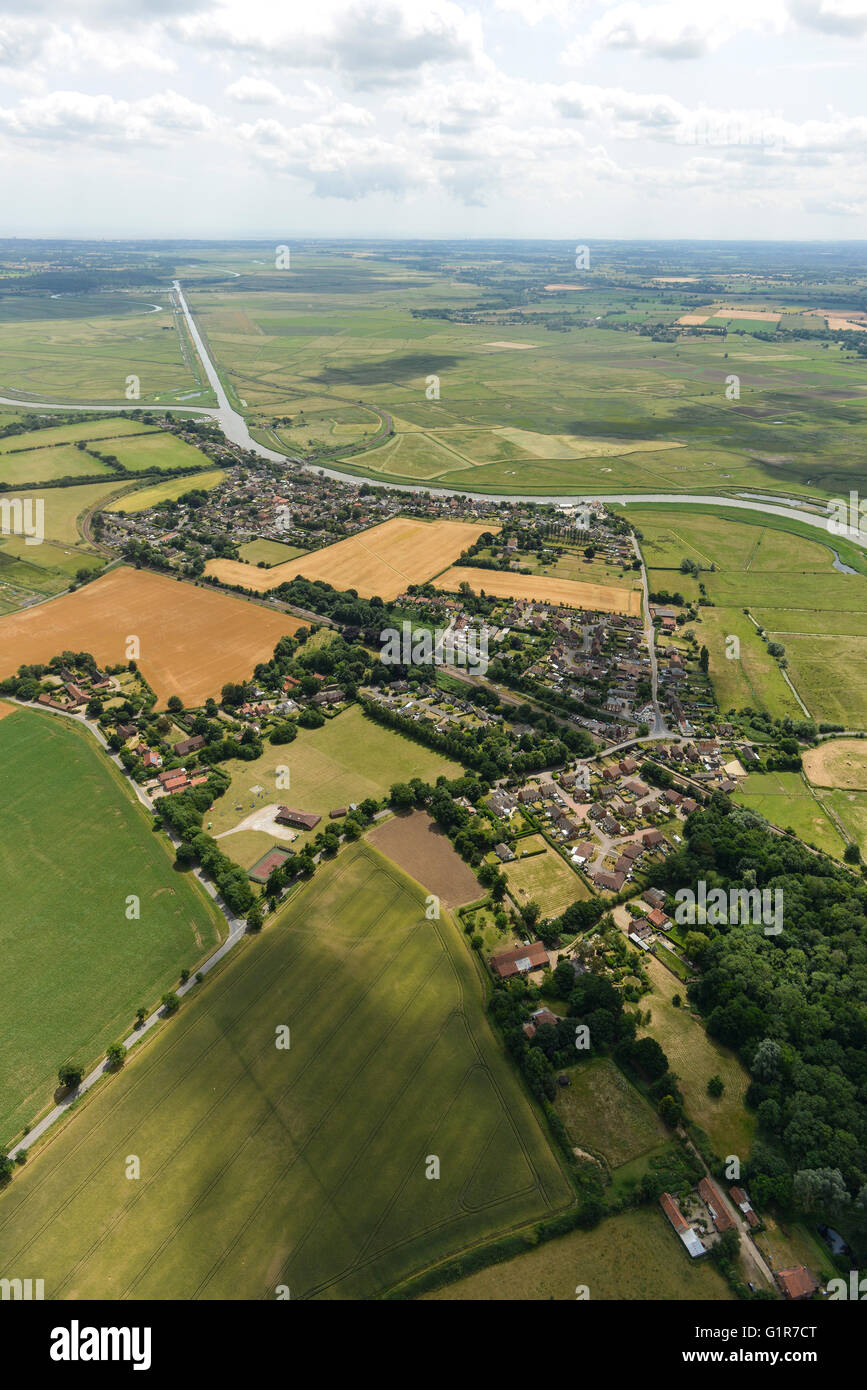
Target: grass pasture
{"x": 44, "y": 465}
{"x": 546, "y": 879}
{"x": 785, "y": 799}
{"x": 247, "y": 1180}
{"x": 191, "y": 639}
{"x": 605, "y": 1116}
{"x": 783, "y": 573}
{"x": 75, "y": 844}
{"x": 158, "y": 450}
{"x": 633, "y": 1257}
{"x": 62, "y": 507}
{"x": 269, "y": 553}
{"x": 381, "y": 561}
{"x": 695, "y": 1058}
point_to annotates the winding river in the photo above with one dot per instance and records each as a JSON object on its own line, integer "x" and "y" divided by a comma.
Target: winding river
{"x": 234, "y": 426}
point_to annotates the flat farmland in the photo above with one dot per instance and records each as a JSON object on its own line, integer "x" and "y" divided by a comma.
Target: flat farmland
{"x": 247, "y": 1181}
{"x": 82, "y": 348}
{"x": 788, "y": 583}
{"x": 570, "y": 593}
{"x": 160, "y": 450}
{"x": 88, "y": 431}
{"x": 43, "y": 465}
{"x": 75, "y": 844}
{"x": 269, "y": 552}
{"x": 417, "y": 845}
{"x": 546, "y": 879}
{"x": 191, "y": 640}
{"x": 632, "y": 1257}
{"x": 62, "y": 507}
{"x": 381, "y": 561}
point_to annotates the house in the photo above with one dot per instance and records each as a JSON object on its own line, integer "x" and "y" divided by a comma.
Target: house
{"x": 631, "y": 851}
{"x": 797, "y": 1282}
{"x": 612, "y": 883}
{"x": 650, "y": 839}
{"x": 332, "y": 696}
{"x": 77, "y": 696}
{"x": 126, "y": 730}
{"x": 502, "y": 804}
{"x": 504, "y": 853}
{"x": 520, "y": 960}
{"x": 687, "y": 806}
{"x": 151, "y": 759}
{"x": 654, "y": 896}
{"x": 657, "y": 918}
{"x": 189, "y": 745}
{"x": 301, "y": 820}
{"x": 741, "y": 1200}
{"x": 681, "y": 1225}
{"x": 715, "y": 1203}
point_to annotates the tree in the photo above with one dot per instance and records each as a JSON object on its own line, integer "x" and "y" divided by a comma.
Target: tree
{"x": 852, "y": 853}
{"x": 531, "y": 912}
{"x": 141, "y": 1014}
{"x": 175, "y": 704}
{"x": 767, "y": 1061}
{"x": 70, "y": 1076}
{"x": 116, "y": 1055}
{"x": 170, "y": 1002}
{"x": 704, "y": 659}
{"x": 254, "y": 918}
{"x": 670, "y": 1112}
{"x": 715, "y": 1087}
{"x": 820, "y": 1189}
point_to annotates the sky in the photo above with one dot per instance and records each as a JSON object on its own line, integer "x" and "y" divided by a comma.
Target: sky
{"x": 712, "y": 119}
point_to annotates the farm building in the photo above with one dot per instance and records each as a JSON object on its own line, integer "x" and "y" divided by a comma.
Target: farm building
{"x": 681, "y": 1225}
{"x": 713, "y": 1200}
{"x": 741, "y": 1200}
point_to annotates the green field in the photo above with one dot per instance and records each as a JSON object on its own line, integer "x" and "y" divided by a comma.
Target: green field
{"x": 45, "y": 568}
{"x": 544, "y": 878}
{"x": 268, "y": 552}
{"x": 786, "y": 799}
{"x": 83, "y": 347}
{"x": 627, "y": 1258}
{"x": 75, "y": 846}
{"x": 301, "y": 1168}
{"x": 160, "y": 450}
{"x": 62, "y": 507}
{"x": 43, "y": 465}
{"x": 695, "y": 1058}
{"x": 165, "y": 491}
{"x": 348, "y": 759}
{"x": 786, "y": 579}
{"x": 605, "y": 1116}
{"x": 317, "y": 356}
{"x": 89, "y": 431}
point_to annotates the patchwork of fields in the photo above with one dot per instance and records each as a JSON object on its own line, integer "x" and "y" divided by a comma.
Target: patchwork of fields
{"x": 789, "y": 585}
{"x": 191, "y": 640}
{"x": 381, "y": 561}
{"x": 75, "y": 844}
{"x": 247, "y": 1182}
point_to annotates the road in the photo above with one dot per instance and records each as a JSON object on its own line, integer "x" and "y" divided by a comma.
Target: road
{"x": 660, "y": 728}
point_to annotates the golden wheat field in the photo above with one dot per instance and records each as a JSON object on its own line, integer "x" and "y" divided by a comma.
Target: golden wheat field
{"x": 381, "y": 561}
{"x": 570, "y": 593}
{"x": 191, "y": 641}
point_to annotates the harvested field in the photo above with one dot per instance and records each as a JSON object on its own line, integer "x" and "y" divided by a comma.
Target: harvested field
{"x": 379, "y": 562}
{"x": 511, "y": 345}
{"x": 6, "y": 709}
{"x": 191, "y": 640}
{"x": 571, "y": 593}
{"x": 841, "y": 762}
{"x": 421, "y": 849}
{"x": 693, "y": 320}
{"x": 546, "y": 879}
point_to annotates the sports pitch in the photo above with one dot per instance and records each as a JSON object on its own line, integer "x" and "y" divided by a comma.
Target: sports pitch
{"x": 381, "y": 561}
{"x": 75, "y": 845}
{"x": 191, "y": 640}
{"x": 247, "y": 1183}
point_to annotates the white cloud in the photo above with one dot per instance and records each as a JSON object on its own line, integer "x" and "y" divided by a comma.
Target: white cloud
{"x": 83, "y": 118}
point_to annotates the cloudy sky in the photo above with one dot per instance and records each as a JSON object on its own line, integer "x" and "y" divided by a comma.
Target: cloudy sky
{"x": 543, "y": 118}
